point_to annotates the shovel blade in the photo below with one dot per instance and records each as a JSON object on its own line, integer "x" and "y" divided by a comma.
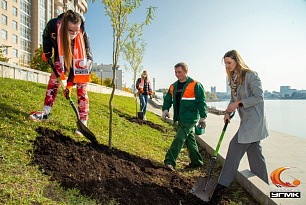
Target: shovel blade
{"x": 86, "y": 132}
{"x": 140, "y": 115}
{"x": 204, "y": 188}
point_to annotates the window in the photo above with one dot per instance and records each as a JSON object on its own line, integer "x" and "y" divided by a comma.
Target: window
{"x": 15, "y": 38}
{"x": 4, "y": 49}
{"x": 15, "y": 53}
{"x": 4, "y": 4}
{"x": 4, "y": 19}
{"x": 14, "y": 11}
{"x": 14, "y": 25}
{"x": 4, "y": 34}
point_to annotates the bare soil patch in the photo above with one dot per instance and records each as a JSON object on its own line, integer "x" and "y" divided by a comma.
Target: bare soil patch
{"x": 105, "y": 174}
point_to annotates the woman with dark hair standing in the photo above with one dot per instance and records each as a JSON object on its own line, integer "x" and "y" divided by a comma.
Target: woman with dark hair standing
{"x": 66, "y": 35}
{"x": 247, "y": 98}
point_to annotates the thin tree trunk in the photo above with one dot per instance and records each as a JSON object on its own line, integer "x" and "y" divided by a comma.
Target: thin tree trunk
{"x": 112, "y": 96}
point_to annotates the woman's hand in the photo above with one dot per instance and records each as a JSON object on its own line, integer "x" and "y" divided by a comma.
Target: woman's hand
{"x": 227, "y": 117}
{"x": 232, "y": 107}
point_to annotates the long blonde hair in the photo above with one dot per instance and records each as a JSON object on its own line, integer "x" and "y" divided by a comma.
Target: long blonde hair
{"x": 72, "y": 17}
{"x": 241, "y": 67}
{"x": 145, "y": 73}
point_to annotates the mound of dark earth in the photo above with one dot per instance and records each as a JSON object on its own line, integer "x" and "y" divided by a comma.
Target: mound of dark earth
{"x": 108, "y": 175}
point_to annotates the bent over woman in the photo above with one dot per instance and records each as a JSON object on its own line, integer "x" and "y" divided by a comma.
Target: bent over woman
{"x": 66, "y": 35}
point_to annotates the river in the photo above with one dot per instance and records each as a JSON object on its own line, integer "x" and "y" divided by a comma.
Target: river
{"x": 286, "y": 116}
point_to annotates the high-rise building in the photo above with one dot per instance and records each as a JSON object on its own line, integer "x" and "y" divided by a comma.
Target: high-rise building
{"x": 23, "y": 23}
{"x": 213, "y": 89}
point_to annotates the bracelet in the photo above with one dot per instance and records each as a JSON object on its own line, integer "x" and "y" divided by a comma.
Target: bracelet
{"x": 240, "y": 104}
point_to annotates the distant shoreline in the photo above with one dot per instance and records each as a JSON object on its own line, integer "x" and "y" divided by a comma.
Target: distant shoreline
{"x": 215, "y": 100}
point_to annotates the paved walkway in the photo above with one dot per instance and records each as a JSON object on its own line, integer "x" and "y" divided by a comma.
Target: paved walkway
{"x": 279, "y": 149}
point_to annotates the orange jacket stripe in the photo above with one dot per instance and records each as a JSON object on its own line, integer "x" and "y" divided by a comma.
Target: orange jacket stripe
{"x": 189, "y": 91}
{"x": 171, "y": 90}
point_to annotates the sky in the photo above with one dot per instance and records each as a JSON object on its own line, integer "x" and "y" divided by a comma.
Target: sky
{"x": 270, "y": 35}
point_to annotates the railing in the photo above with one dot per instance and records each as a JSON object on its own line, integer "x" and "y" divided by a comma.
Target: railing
{"x": 21, "y": 73}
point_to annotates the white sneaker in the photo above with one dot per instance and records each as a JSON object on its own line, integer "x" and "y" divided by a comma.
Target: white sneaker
{"x": 78, "y": 133}
{"x": 39, "y": 116}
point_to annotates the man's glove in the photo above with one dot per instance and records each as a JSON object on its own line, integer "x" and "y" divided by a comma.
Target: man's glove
{"x": 165, "y": 114}
{"x": 46, "y": 56}
{"x": 67, "y": 91}
{"x": 202, "y": 123}
{"x": 150, "y": 96}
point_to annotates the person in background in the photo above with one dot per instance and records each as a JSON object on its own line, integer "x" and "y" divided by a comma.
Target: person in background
{"x": 145, "y": 90}
{"x": 189, "y": 105}
{"x": 66, "y": 35}
{"x": 247, "y": 98}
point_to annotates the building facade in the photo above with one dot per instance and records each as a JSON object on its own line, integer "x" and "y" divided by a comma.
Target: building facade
{"x": 23, "y": 23}
{"x": 213, "y": 89}
{"x": 106, "y": 71}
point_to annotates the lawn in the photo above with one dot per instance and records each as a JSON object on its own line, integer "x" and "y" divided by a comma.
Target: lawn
{"x": 22, "y": 183}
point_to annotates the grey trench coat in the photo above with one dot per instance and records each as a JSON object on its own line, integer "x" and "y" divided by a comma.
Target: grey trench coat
{"x": 253, "y": 126}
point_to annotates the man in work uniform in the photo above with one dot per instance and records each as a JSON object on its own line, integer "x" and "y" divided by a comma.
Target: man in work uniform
{"x": 189, "y": 104}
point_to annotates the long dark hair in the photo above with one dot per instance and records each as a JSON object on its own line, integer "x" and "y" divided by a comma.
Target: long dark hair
{"x": 72, "y": 17}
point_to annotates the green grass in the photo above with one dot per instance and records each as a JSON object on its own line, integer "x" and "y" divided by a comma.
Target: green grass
{"x": 21, "y": 183}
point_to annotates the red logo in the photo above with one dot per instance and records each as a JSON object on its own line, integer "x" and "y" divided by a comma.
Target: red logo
{"x": 275, "y": 177}
{"x": 78, "y": 64}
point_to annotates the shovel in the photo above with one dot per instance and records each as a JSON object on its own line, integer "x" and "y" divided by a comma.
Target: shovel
{"x": 82, "y": 128}
{"x": 140, "y": 113}
{"x": 205, "y": 186}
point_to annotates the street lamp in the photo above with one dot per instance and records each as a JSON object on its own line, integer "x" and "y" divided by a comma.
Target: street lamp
{"x": 101, "y": 76}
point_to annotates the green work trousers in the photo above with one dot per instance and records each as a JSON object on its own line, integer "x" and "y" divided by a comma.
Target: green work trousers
{"x": 184, "y": 135}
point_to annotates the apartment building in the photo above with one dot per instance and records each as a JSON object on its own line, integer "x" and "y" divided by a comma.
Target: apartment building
{"x": 23, "y": 23}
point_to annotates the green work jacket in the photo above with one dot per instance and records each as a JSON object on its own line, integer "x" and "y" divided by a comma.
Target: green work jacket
{"x": 193, "y": 102}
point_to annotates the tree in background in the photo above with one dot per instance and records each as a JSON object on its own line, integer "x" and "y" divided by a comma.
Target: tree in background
{"x": 133, "y": 51}
{"x": 209, "y": 95}
{"x": 38, "y": 63}
{"x": 127, "y": 89}
{"x": 3, "y": 58}
{"x": 108, "y": 82}
{"x": 95, "y": 79}
{"x": 118, "y": 11}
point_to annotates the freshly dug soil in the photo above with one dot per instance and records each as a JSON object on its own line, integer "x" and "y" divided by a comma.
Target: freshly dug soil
{"x": 144, "y": 122}
{"x": 108, "y": 175}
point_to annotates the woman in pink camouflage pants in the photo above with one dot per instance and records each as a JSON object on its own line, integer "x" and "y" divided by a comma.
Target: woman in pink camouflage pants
{"x": 66, "y": 36}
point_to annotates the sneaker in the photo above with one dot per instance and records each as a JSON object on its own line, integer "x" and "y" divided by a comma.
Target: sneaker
{"x": 191, "y": 165}
{"x": 78, "y": 133}
{"x": 144, "y": 117}
{"x": 39, "y": 116}
{"x": 169, "y": 167}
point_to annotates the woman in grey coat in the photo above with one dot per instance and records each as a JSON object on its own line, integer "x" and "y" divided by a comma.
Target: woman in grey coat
{"x": 247, "y": 98}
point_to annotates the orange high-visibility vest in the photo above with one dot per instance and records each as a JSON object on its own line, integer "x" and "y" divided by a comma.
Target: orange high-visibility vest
{"x": 141, "y": 85}
{"x": 188, "y": 93}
